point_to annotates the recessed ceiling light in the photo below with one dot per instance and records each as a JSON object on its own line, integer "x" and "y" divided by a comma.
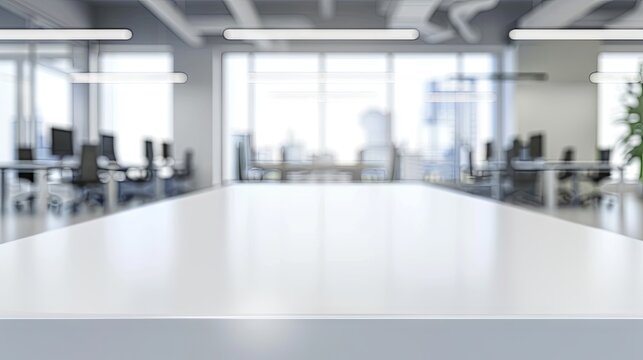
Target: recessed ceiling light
{"x": 128, "y": 78}
{"x": 321, "y": 34}
{"x": 576, "y": 34}
{"x": 64, "y": 34}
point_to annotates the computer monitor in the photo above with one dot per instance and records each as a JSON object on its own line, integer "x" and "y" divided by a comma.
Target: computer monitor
{"x": 62, "y": 143}
{"x": 107, "y": 147}
{"x": 167, "y": 151}
{"x": 536, "y": 146}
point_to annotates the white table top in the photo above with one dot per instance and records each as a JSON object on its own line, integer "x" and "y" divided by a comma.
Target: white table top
{"x": 323, "y": 251}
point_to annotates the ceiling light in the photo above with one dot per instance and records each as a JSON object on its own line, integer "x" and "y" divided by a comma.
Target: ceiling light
{"x": 321, "y": 34}
{"x": 615, "y": 77}
{"x": 509, "y": 76}
{"x": 576, "y": 34}
{"x": 64, "y": 34}
{"x": 128, "y": 78}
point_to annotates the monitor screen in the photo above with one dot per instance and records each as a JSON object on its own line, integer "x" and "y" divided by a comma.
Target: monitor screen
{"x": 536, "y": 146}
{"x": 62, "y": 143}
{"x": 107, "y": 147}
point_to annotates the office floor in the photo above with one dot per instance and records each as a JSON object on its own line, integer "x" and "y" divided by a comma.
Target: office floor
{"x": 625, "y": 219}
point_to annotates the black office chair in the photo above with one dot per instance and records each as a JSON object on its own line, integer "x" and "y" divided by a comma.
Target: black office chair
{"x": 167, "y": 151}
{"x": 87, "y": 181}
{"x": 474, "y": 174}
{"x": 140, "y": 182}
{"x": 598, "y": 177}
{"x": 88, "y": 187}
{"x": 566, "y": 196}
{"x": 489, "y": 151}
{"x": 26, "y": 179}
{"x": 524, "y": 183}
{"x": 181, "y": 181}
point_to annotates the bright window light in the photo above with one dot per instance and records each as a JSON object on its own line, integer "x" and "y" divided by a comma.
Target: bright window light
{"x": 321, "y": 34}
{"x": 576, "y": 34}
{"x": 64, "y": 34}
{"x": 615, "y": 77}
{"x": 128, "y": 78}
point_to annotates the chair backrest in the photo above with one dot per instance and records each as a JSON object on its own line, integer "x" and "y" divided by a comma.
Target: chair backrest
{"x": 488, "y": 151}
{"x": 107, "y": 147}
{"x": 568, "y": 156}
{"x": 88, "y": 164}
{"x": 149, "y": 153}
{"x": 167, "y": 150}
{"x": 26, "y": 154}
{"x": 604, "y": 157}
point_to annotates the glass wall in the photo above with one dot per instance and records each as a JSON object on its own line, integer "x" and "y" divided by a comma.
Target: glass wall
{"x": 134, "y": 113}
{"x": 8, "y": 108}
{"x": 337, "y": 105}
{"x": 611, "y": 105}
{"x": 52, "y": 100}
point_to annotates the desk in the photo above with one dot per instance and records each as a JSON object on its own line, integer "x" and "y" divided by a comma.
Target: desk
{"x": 284, "y": 167}
{"x": 338, "y": 252}
{"x": 551, "y": 168}
{"x": 40, "y": 169}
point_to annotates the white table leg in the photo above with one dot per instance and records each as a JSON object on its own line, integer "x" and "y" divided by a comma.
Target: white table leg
{"x": 43, "y": 190}
{"x": 159, "y": 186}
{"x": 112, "y": 192}
{"x": 550, "y": 199}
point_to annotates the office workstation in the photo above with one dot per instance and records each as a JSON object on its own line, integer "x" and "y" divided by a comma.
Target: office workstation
{"x": 314, "y": 179}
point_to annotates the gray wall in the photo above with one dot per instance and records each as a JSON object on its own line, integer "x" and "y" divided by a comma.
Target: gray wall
{"x": 565, "y": 106}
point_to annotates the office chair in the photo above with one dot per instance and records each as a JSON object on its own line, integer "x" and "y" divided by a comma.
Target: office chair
{"x": 86, "y": 182}
{"x": 598, "y": 177}
{"x": 489, "y": 151}
{"x": 140, "y": 182}
{"x": 183, "y": 176}
{"x": 523, "y": 183}
{"x": 385, "y": 161}
{"x": 25, "y": 179}
{"x": 566, "y": 196}
{"x": 245, "y": 169}
{"x": 476, "y": 175}
{"x": 167, "y": 151}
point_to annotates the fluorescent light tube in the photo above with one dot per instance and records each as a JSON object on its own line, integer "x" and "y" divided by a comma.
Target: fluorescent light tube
{"x": 464, "y": 97}
{"x": 576, "y": 34}
{"x": 615, "y": 77}
{"x": 509, "y": 76}
{"x": 128, "y": 78}
{"x": 321, "y": 34}
{"x": 64, "y": 34}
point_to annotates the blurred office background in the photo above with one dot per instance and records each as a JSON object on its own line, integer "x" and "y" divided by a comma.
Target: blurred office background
{"x": 463, "y": 107}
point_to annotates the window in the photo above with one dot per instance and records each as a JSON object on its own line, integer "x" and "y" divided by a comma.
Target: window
{"x": 611, "y": 98}
{"x": 134, "y": 113}
{"x": 302, "y": 105}
{"x": 52, "y": 103}
{"x": 7, "y": 109}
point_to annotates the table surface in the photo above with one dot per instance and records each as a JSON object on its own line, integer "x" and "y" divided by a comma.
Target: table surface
{"x": 334, "y": 250}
